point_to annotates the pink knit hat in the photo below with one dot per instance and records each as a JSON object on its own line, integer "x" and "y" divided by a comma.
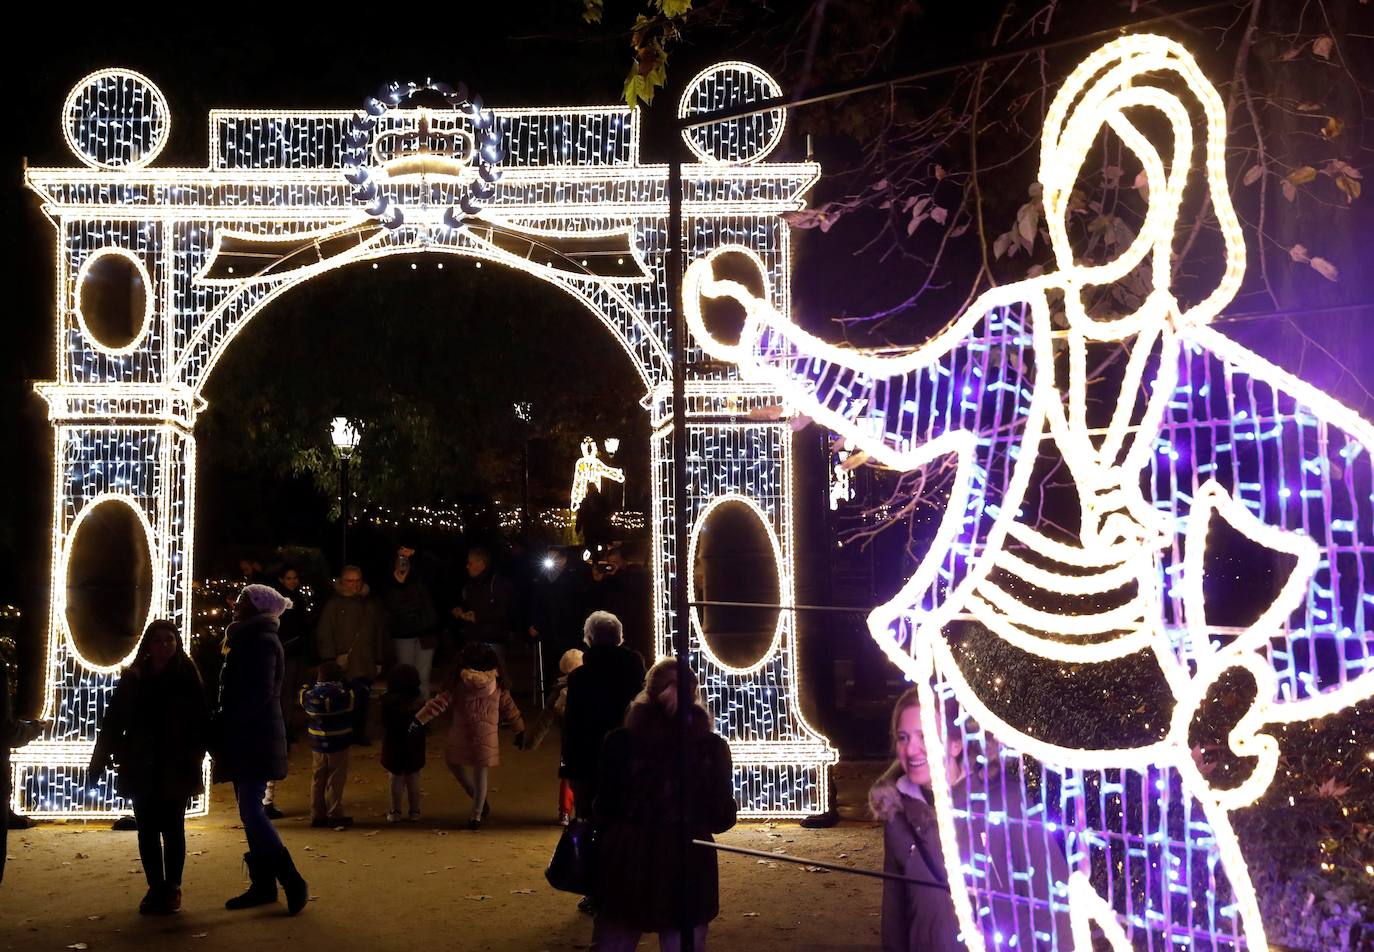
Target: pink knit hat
{"x": 266, "y": 599}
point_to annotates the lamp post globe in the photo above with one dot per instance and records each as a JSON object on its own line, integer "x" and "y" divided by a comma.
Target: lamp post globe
{"x": 344, "y": 435}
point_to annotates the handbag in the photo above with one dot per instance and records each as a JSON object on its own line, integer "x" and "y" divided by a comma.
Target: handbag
{"x": 572, "y": 868}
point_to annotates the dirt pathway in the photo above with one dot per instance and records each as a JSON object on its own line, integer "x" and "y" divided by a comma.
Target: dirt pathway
{"x": 412, "y": 886}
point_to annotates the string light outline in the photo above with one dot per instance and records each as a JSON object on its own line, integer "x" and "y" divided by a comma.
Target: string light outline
{"x": 69, "y": 539}
{"x": 699, "y": 86}
{"x": 162, "y": 132}
{"x": 145, "y": 324}
{"x": 589, "y": 470}
{"x": 785, "y": 586}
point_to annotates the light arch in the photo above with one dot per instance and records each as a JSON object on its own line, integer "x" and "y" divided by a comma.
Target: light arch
{"x": 275, "y": 190}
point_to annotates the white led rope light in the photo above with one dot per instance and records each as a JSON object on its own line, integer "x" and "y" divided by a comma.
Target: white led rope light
{"x": 784, "y": 584}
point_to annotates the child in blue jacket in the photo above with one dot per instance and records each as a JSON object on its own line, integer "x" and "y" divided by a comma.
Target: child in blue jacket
{"x": 329, "y": 706}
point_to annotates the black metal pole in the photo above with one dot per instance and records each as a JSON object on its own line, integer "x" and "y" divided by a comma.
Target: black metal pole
{"x": 525, "y": 488}
{"x": 343, "y": 512}
{"x": 819, "y": 864}
{"x": 681, "y": 512}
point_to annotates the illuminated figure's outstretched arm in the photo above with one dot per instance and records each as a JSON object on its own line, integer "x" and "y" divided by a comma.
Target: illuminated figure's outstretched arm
{"x": 902, "y": 410}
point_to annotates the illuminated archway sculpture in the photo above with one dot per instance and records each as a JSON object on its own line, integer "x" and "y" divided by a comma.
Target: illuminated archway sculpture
{"x": 559, "y": 193}
{"x": 1129, "y": 839}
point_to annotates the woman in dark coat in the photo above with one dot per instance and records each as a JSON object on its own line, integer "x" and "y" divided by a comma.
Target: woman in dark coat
{"x": 249, "y": 742}
{"x": 154, "y": 730}
{"x": 598, "y": 694}
{"x": 641, "y": 883}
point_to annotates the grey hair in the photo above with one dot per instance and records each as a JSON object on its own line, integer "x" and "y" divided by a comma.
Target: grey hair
{"x": 602, "y": 628}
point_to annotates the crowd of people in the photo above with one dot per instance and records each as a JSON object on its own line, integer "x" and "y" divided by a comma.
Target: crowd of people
{"x": 628, "y": 754}
{"x": 621, "y": 748}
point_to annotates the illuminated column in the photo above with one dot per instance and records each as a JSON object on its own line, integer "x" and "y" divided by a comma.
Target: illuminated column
{"x": 124, "y": 471}
{"x": 780, "y": 760}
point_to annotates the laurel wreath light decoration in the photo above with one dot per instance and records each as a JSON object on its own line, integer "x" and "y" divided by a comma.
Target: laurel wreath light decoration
{"x": 482, "y": 145}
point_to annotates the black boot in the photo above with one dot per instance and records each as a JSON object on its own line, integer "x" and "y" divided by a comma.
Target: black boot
{"x": 292, "y": 883}
{"x": 262, "y": 884}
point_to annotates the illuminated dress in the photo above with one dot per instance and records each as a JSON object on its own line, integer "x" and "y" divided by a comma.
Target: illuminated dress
{"x": 1196, "y": 431}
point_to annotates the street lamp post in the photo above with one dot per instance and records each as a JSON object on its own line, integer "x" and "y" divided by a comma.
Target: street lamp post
{"x": 344, "y": 436}
{"x": 524, "y": 412}
{"x": 612, "y": 443}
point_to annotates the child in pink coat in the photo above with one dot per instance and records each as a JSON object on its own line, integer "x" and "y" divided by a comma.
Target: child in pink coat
{"x": 479, "y": 702}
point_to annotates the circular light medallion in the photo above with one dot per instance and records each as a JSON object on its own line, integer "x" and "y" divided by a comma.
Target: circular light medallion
{"x": 734, "y": 141}
{"x": 116, "y": 119}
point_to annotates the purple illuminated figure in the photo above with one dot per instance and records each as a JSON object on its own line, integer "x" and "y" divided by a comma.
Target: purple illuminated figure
{"x": 1023, "y": 621}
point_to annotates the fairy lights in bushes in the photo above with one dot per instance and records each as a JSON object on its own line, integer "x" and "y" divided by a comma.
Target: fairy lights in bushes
{"x": 1127, "y": 838}
{"x": 558, "y": 193}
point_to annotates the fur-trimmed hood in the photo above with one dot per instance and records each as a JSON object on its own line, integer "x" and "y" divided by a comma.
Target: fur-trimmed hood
{"x": 480, "y": 683}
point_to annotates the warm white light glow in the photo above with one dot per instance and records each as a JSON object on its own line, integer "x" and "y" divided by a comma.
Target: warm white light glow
{"x": 719, "y": 87}
{"x": 784, "y": 582}
{"x": 344, "y": 435}
{"x": 116, "y": 119}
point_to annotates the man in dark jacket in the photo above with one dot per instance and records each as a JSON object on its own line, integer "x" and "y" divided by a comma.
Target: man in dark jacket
{"x": 556, "y": 614}
{"x": 295, "y": 634}
{"x": 486, "y": 605}
{"x": 627, "y": 597}
{"x": 598, "y": 694}
{"x": 350, "y": 633}
{"x": 593, "y": 521}
{"x": 412, "y": 621}
{"x": 14, "y": 732}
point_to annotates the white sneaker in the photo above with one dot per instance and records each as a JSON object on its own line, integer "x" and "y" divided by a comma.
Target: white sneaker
{"x": 392, "y": 817}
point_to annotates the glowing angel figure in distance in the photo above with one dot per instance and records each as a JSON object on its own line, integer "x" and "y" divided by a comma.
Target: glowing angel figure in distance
{"x": 589, "y": 471}
{"x": 1196, "y": 429}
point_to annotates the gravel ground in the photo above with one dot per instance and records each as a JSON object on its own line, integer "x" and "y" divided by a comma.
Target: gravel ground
{"x": 381, "y": 887}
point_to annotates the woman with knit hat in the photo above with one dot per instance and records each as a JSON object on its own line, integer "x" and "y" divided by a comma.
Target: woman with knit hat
{"x": 249, "y": 740}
